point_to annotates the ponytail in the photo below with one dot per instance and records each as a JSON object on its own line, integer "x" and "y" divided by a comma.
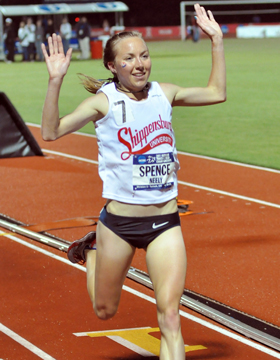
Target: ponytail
{"x": 92, "y": 85}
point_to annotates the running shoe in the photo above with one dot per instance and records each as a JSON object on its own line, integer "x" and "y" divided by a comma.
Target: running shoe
{"x": 76, "y": 251}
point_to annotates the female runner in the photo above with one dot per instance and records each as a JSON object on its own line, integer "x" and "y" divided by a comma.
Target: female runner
{"x": 138, "y": 165}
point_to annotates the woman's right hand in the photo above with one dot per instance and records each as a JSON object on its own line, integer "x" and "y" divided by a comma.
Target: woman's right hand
{"x": 57, "y": 62}
{"x": 207, "y": 23}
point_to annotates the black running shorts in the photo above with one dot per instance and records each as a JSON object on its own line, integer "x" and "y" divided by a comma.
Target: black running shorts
{"x": 139, "y": 231}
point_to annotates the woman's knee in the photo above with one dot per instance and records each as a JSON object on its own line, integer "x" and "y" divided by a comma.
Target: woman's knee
{"x": 105, "y": 311}
{"x": 169, "y": 320}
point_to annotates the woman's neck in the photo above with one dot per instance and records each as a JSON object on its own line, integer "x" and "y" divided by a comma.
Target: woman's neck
{"x": 145, "y": 88}
{"x": 134, "y": 95}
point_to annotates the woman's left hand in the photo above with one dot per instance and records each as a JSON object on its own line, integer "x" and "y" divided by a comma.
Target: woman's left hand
{"x": 207, "y": 23}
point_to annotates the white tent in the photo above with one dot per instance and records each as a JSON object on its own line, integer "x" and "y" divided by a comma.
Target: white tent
{"x": 117, "y": 7}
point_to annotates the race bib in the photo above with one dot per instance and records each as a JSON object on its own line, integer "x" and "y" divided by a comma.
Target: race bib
{"x": 153, "y": 171}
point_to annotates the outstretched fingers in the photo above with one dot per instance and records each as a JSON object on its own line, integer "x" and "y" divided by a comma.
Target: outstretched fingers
{"x": 59, "y": 44}
{"x": 55, "y": 45}
{"x": 51, "y": 45}
{"x": 57, "y": 62}
{"x": 207, "y": 22}
{"x": 44, "y": 50}
{"x": 211, "y": 16}
{"x": 201, "y": 13}
{"x": 69, "y": 54}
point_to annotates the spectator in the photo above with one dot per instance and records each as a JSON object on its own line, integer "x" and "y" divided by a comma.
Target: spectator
{"x": 23, "y": 39}
{"x": 106, "y": 27}
{"x": 39, "y": 38}
{"x": 9, "y": 38}
{"x": 256, "y": 19}
{"x": 192, "y": 29}
{"x": 30, "y": 28}
{"x": 65, "y": 33}
{"x": 83, "y": 35}
{"x": 49, "y": 28}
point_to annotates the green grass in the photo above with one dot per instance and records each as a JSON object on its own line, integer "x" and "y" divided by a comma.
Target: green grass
{"x": 245, "y": 128}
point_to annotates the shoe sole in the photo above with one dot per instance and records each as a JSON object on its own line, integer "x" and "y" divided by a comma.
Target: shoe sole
{"x": 75, "y": 252}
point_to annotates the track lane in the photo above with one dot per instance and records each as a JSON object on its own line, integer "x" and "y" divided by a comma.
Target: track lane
{"x": 48, "y": 316}
{"x": 232, "y": 251}
{"x": 233, "y": 237}
{"x": 231, "y": 247}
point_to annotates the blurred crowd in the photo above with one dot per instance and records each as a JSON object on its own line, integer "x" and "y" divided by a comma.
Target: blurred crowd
{"x": 31, "y": 35}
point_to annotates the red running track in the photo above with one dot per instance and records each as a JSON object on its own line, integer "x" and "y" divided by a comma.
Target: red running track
{"x": 232, "y": 256}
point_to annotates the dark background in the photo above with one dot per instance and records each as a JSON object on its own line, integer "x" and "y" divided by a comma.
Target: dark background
{"x": 160, "y": 12}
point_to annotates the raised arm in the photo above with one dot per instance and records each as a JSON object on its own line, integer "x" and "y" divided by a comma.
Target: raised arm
{"x": 93, "y": 108}
{"x": 215, "y": 91}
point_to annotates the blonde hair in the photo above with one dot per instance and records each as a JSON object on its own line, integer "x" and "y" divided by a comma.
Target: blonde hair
{"x": 93, "y": 85}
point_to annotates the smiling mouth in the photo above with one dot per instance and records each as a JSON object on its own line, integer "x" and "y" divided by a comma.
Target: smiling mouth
{"x": 139, "y": 74}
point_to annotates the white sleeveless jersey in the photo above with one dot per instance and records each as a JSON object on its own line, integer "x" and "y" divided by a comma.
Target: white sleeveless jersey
{"x": 137, "y": 155}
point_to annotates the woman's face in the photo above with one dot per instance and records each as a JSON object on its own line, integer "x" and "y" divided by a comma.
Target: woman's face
{"x": 132, "y": 63}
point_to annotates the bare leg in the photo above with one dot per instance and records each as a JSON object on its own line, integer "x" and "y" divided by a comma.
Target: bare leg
{"x": 167, "y": 265}
{"x": 106, "y": 271}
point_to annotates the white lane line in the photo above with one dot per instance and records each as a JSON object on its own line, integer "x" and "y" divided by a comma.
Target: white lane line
{"x": 152, "y": 300}
{"x": 221, "y": 192}
{"x": 129, "y": 345}
{"x": 266, "y": 203}
{"x": 193, "y": 155}
{"x": 214, "y": 327}
{"x": 34, "y": 349}
{"x": 70, "y": 156}
{"x": 229, "y": 162}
